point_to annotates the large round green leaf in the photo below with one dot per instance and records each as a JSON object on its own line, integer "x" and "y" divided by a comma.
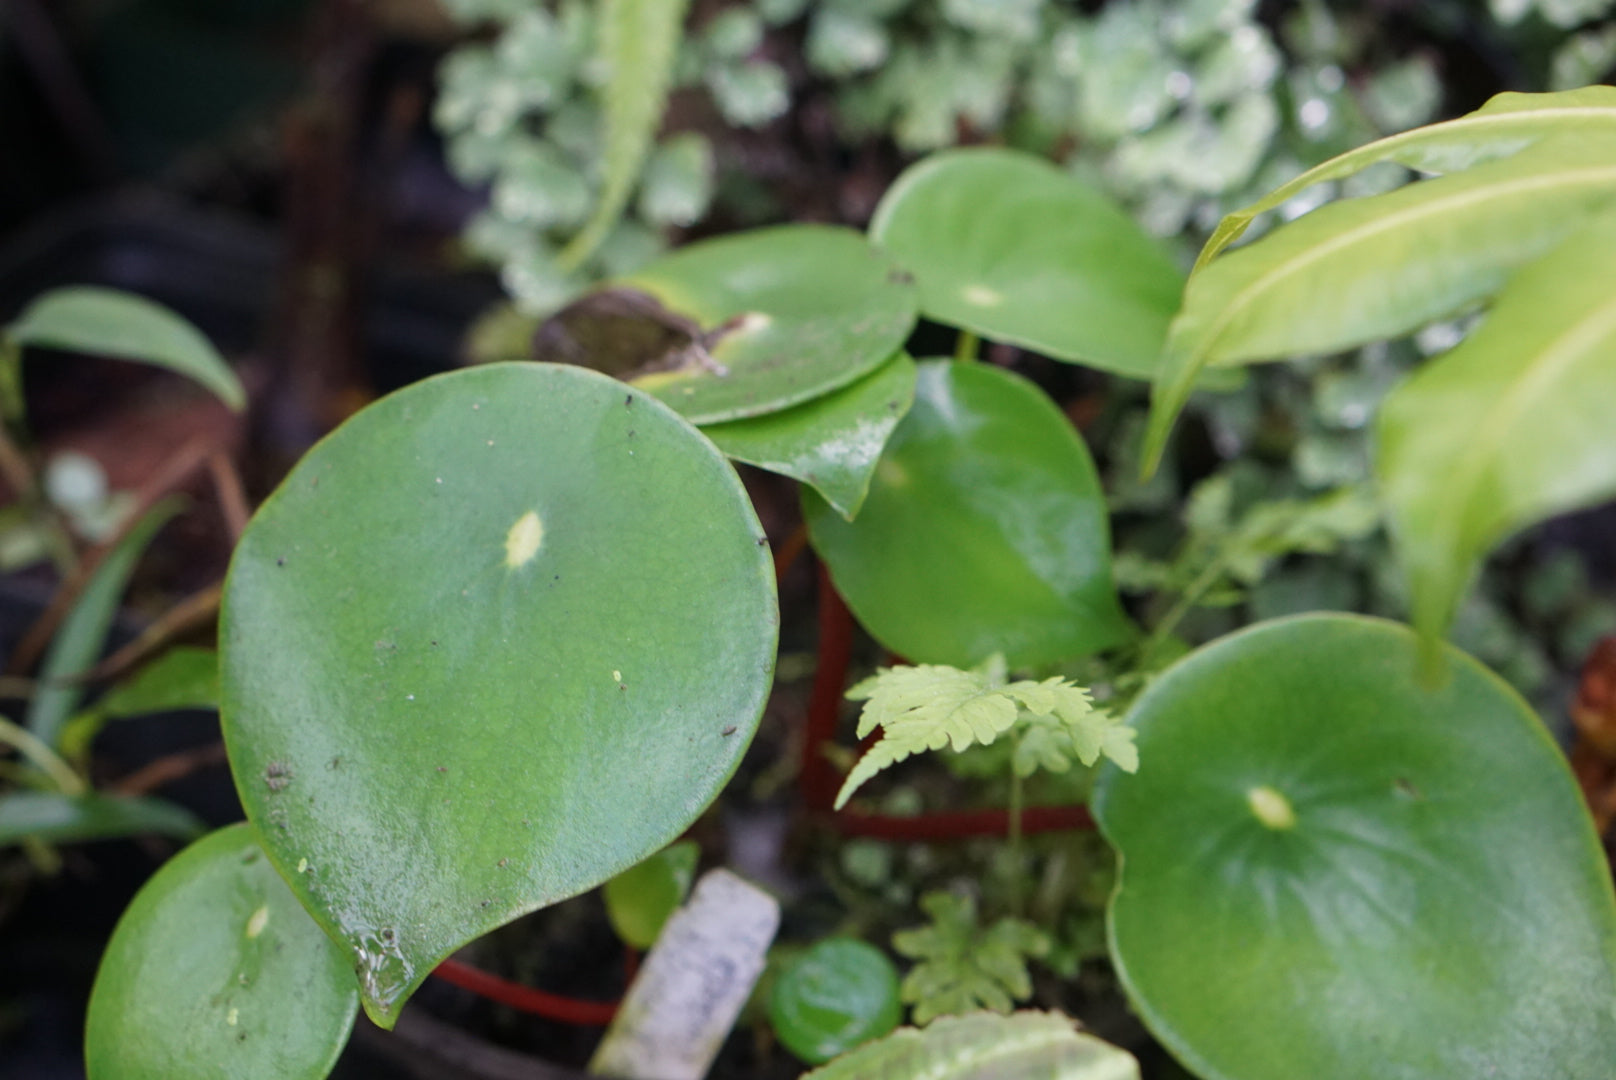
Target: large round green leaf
{"x": 1331, "y": 872}
{"x": 216, "y": 972}
{"x": 502, "y": 635}
{"x": 793, "y": 312}
{"x": 1011, "y": 247}
{"x": 984, "y": 530}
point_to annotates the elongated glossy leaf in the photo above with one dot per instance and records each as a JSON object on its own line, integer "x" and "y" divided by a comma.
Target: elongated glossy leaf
{"x": 182, "y": 678}
{"x": 1015, "y": 249}
{"x": 82, "y": 634}
{"x": 502, "y": 635}
{"x": 107, "y": 322}
{"x": 984, "y": 531}
{"x": 216, "y": 972}
{"x": 1021, "y": 1046}
{"x": 1330, "y": 871}
{"x": 638, "y": 42}
{"x": 1365, "y": 269}
{"x": 1513, "y": 426}
{"x": 1507, "y": 123}
{"x": 797, "y": 311}
{"x": 70, "y": 819}
{"x": 830, "y": 443}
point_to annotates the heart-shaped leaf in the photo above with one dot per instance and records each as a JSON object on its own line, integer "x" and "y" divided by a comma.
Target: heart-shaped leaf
{"x": 1372, "y": 268}
{"x": 502, "y": 635}
{"x": 1011, "y": 247}
{"x": 984, "y": 531}
{"x": 1513, "y": 426}
{"x": 787, "y": 314}
{"x": 217, "y": 972}
{"x": 1505, "y": 124}
{"x": 107, "y": 322}
{"x": 1330, "y": 871}
{"x": 830, "y": 443}
{"x": 1022, "y": 1046}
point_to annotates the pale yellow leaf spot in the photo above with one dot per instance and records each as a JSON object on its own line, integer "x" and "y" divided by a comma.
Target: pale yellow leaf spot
{"x": 982, "y": 296}
{"x": 522, "y": 542}
{"x": 1271, "y": 808}
{"x": 257, "y": 922}
{"x": 302, "y": 866}
{"x": 232, "y": 1016}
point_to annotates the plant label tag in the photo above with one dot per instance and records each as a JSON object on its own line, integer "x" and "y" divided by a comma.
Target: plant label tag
{"x": 692, "y": 985}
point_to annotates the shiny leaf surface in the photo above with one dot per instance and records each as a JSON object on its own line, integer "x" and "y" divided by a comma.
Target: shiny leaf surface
{"x": 456, "y": 635}
{"x": 1512, "y": 427}
{"x": 792, "y": 313}
{"x": 984, "y": 531}
{"x": 1330, "y": 871}
{"x": 1371, "y": 268}
{"x": 107, "y": 322}
{"x": 831, "y": 443}
{"x": 1013, "y": 248}
{"x": 840, "y": 993}
{"x": 216, "y": 972}
{"x": 1023, "y": 1046}
{"x": 1507, "y": 123}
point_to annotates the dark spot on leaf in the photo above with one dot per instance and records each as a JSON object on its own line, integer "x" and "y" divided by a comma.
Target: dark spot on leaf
{"x": 443, "y": 768}
{"x": 1406, "y": 788}
{"x": 763, "y": 541}
{"x": 628, "y": 400}
{"x": 504, "y": 862}
{"x": 900, "y": 277}
{"x": 280, "y": 561}
{"x": 249, "y": 858}
{"x": 277, "y": 774}
{"x": 728, "y": 731}
{"x": 334, "y": 763}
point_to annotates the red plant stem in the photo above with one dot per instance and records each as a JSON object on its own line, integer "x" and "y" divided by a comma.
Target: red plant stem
{"x": 957, "y": 825}
{"x": 525, "y": 998}
{"x": 790, "y": 551}
{"x": 818, "y": 778}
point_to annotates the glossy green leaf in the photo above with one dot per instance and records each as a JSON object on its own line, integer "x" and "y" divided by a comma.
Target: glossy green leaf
{"x": 1512, "y": 427}
{"x": 640, "y": 899}
{"x": 1507, "y": 123}
{"x": 840, "y": 993}
{"x": 216, "y": 971}
{"x": 984, "y": 532}
{"x": 107, "y": 322}
{"x": 639, "y": 40}
{"x": 1365, "y": 269}
{"x": 788, "y": 314}
{"x": 57, "y": 818}
{"x": 1013, "y": 248}
{"x": 831, "y": 443}
{"x": 79, "y": 640}
{"x": 502, "y": 635}
{"x": 1023, "y": 1046}
{"x": 1330, "y": 871}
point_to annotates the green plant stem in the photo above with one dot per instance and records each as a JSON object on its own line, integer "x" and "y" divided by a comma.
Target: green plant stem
{"x": 966, "y": 347}
{"x": 1013, "y": 832}
{"x": 49, "y": 762}
{"x": 1187, "y": 600}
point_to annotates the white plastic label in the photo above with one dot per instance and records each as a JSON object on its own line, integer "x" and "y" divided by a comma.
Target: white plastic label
{"x": 692, "y": 985}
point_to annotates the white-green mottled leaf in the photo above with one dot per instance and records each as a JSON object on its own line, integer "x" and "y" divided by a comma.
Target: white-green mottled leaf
{"x": 1022, "y": 1046}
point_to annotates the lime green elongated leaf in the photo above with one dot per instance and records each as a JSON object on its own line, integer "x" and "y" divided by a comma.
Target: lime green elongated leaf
{"x": 1021, "y": 1046}
{"x": 831, "y": 443}
{"x": 792, "y": 313}
{"x": 107, "y": 322}
{"x": 1513, "y": 426}
{"x": 502, "y": 635}
{"x": 1371, "y": 268}
{"x": 215, "y": 971}
{"x": 984, "y": 532}
{"x": 82, "y": 634}
{"x": 1358, "y": 876}
{"x": 640, "y": 899}
{"x": 638, "y": 42}
{"x": 1008, "y": 246}
{"x": 1507, "y": 123}
{"x": 182, "y": 678}
{"x": 68, "y": 819}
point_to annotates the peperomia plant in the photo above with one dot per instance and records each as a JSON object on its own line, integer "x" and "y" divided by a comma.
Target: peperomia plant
{"x": 505, "y": 633}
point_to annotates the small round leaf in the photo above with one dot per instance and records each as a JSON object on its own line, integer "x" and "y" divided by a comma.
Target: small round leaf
{"x": 1015, "y": 249}
{"x": 217, "y": 972}
{"x": 640, "y": 899}
{"x": 797, "y": 310}
{"x": 984, "y": 530}
{"x": 1330, "y": 871}
{"x": 840, "y": 993}
{"x": 503, "y": 634}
